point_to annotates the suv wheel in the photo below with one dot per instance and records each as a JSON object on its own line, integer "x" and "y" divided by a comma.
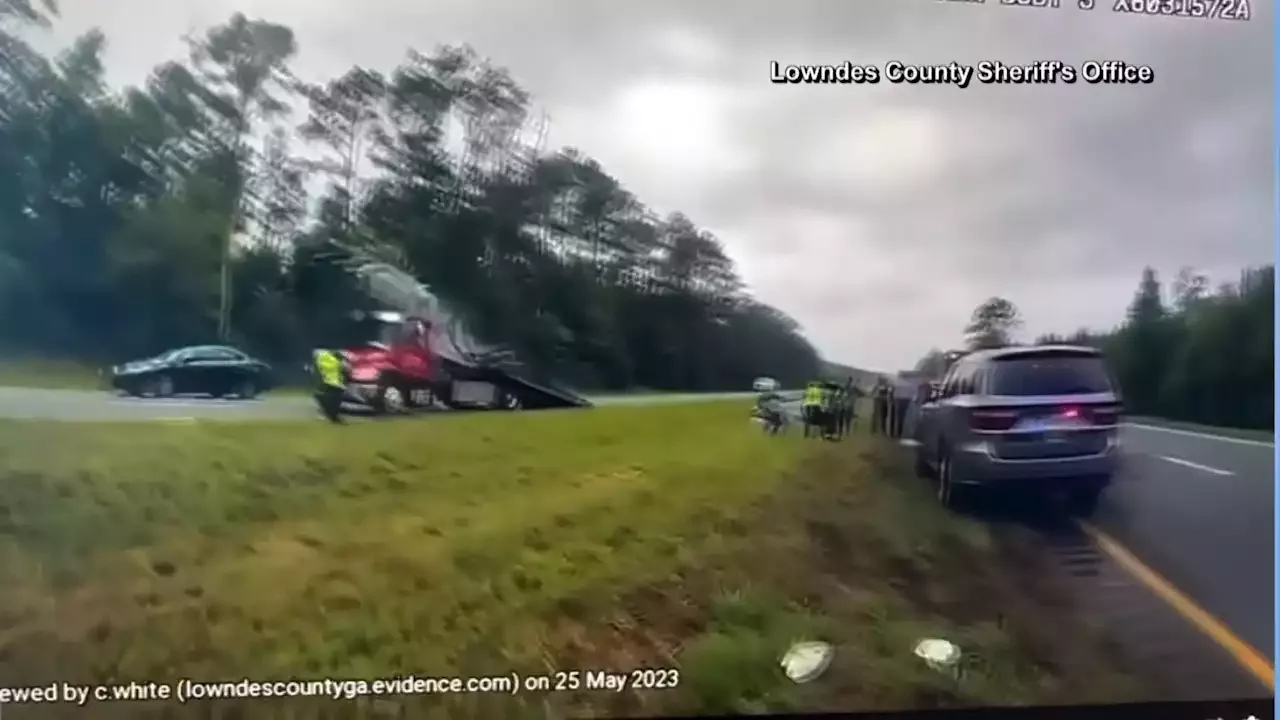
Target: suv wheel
{"x": 950, "y": 494}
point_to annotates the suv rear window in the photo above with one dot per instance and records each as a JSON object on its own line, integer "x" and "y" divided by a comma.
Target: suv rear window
{"x": 1059, "y": 374}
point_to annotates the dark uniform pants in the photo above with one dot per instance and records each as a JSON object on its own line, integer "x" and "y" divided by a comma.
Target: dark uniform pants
{"x": 329, "y": 398}
{"x": 811, "y": 417}
{"x": 879, "y": 415}
{"x": 899, "y": 416}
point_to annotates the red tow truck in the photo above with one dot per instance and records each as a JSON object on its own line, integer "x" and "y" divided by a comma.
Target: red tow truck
{"x": 406, "y": 362}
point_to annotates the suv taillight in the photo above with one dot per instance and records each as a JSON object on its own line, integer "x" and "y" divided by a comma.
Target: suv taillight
{"x": 984, "y": 420}
{"x": 1103, "y": 415}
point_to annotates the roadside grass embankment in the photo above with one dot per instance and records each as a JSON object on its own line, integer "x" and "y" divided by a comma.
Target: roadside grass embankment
{"x": 48, "y": 374}
{"x": 670, "y": 536}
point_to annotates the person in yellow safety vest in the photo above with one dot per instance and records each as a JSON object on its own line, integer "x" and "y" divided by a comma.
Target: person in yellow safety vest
{"x": 331, "y": 385}
{"x": 830, "y": 403}
{"x": 811, "y": 407}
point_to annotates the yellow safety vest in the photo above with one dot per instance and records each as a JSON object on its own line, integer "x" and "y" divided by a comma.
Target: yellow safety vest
{"x": 329, "y": 368}
{"x": 813, "y": 396}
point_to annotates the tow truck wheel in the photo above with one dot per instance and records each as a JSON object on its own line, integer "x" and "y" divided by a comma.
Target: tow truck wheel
{"x": 510, "y": 401}
{"x": 390, "y": 400}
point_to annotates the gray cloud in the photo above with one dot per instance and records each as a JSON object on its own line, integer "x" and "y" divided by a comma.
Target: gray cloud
{"x": 876, "y": 215}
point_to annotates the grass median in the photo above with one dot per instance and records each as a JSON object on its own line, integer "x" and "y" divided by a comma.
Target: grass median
{"x": 48, "y": 374}
{"x": 671, "y": 536}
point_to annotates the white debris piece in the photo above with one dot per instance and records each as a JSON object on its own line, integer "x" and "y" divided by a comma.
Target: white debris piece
{"x": 939, "y": 654}
{"x": 806, "y": 661}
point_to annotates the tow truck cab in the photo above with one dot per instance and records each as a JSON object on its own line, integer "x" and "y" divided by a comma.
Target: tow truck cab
{"x": 393, "y": 366}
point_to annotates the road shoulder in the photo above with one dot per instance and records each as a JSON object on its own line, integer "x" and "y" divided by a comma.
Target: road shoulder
{"x": 852, "y": 550}
{"x": 1208, "y": 431}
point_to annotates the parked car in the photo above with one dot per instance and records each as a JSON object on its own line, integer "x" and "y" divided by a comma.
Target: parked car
{"x": 765, "y": 384}
{"x": 1042, "y": 418}
{"x": 215, "y": 370}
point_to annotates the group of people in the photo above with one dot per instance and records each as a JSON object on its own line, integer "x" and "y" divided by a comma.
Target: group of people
{"x": 895, "y": 404}
{"x": 889, "y": 409}
{"x": 829, "y": 409}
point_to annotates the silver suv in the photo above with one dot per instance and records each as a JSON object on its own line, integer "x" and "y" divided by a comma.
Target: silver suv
{"x": 1044, "y": 418}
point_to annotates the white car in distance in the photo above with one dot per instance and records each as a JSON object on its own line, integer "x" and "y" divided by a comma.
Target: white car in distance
{"x": 765, "y": 384}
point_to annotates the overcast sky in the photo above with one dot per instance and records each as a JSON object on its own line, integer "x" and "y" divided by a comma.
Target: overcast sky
{"x": 877, "y": 215}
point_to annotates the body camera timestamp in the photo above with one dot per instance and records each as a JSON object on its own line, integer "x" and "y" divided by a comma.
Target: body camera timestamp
{"x": 1239, "y": 10}
{"x": 637, "y": 679}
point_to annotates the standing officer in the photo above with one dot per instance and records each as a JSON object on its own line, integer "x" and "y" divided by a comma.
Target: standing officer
{"x": 880, "y": 407}
{"x": 812, "y": 406}
{"x": 846, "y": 411}
{"x": 855, "y": 394}
{"x": 330, "y": 383}
{"x": 903, "y": 392}
{"x": 830, "y": 411}
{"x": 837, "y": 411}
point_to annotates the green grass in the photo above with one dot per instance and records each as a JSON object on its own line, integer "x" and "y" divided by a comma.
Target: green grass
{"x": 1244, "y": 434}
{"x": 51, "y": 374}
{"x": 672, "y": 536}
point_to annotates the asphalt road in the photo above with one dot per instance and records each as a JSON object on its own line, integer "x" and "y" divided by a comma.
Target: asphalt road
{"x": 1198, "y": 509}
{"x": 91, "y": 406}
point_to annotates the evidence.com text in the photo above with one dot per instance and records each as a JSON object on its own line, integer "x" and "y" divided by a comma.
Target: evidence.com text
{"x": 188, "y": 690}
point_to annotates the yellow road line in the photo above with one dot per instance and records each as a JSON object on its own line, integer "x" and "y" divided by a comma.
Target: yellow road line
{"x": 1250, "y": 659}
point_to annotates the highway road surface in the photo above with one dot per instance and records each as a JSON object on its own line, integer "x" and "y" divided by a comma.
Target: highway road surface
{"x": 94, "y": 406}
{"x": 1198, "y": 509}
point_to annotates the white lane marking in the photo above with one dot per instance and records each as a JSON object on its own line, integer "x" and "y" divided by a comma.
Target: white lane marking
{"x": 908, "y": 442}
{"x": 1207, "y": 436}
{"x": 1194, "y": 466}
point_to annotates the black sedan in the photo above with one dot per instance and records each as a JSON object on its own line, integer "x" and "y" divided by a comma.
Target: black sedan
{"x": 214, "y": 370}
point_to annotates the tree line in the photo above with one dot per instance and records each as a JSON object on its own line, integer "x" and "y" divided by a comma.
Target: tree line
{"x": 200, "y": 207}
{"x": 1195, "y": 353}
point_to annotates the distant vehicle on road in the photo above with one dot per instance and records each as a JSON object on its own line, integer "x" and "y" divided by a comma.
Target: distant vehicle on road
{"x": 396, "y": 364}
{"x": 1041, "y": 418}
{"x": 765, "y": 384}
{"x": 216, "y": 370}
